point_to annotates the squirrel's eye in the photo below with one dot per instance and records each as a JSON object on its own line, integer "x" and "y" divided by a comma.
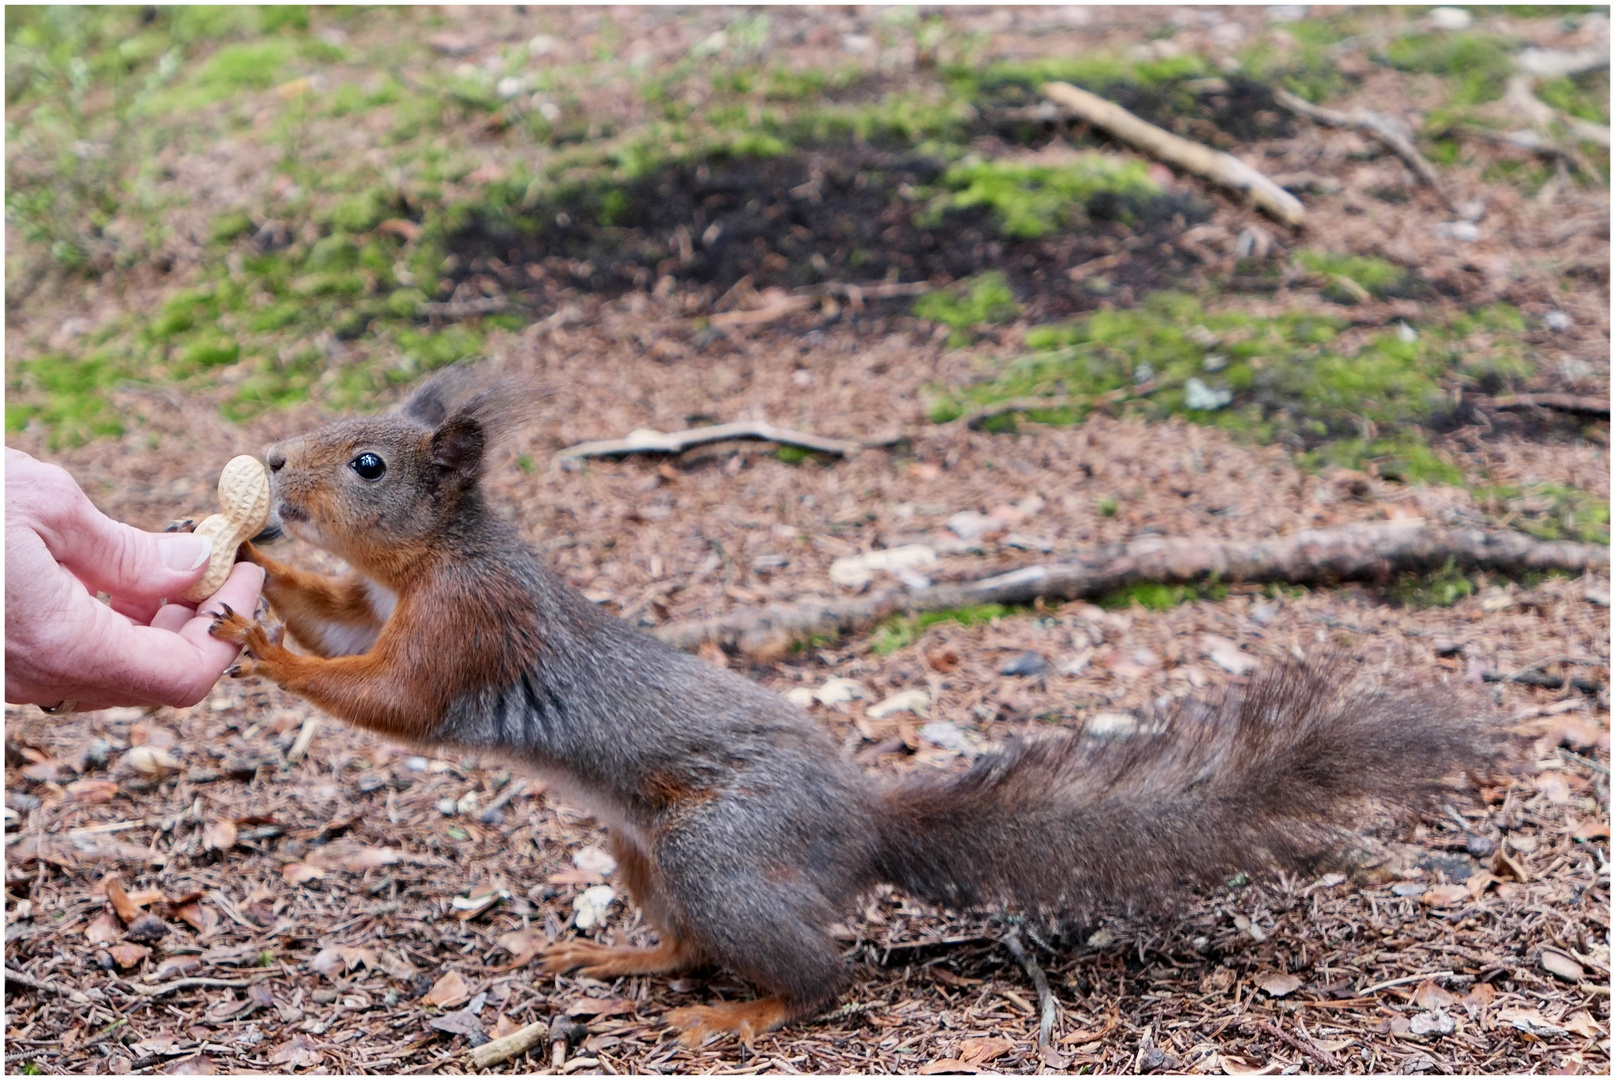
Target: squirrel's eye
{"x": 369, "y": 466}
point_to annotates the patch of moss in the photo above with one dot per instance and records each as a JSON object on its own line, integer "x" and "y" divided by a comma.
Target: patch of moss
{"x": 900, "y": 631}
{"x": 1585, "y": 96}
{"x": 1477, "y": 64}
{"x": 67, "y": 395}
{"x": 1157, "y": 596}
{"x": 1375, "y": 277}
{"x": 1443, "y": 588}
{"x": 1032, "y": 200}
{"x": 985, "y": 298}
{"x": 1548, "y": 511}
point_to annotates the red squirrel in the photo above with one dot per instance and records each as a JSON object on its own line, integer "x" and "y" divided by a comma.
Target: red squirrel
{"x": 740, "y": 830}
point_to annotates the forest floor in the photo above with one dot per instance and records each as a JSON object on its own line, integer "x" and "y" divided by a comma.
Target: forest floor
{"x": 228, "y": 224}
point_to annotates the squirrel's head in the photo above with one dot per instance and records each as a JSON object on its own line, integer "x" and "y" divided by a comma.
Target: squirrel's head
{"x": 377, "y": 491}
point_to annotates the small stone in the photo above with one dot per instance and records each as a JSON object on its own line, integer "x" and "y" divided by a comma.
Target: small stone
{"x": 838, "y": 691}
{"x": 948, "y": 735}
{"x": 1286, "y": 13}
{"x": 1479, "y": 846}
{"x": 446, "y": 807}
{"x": 97, "y": 754}
{"x": 970, "y": 525}
{"x": 21, "y": 800}
{"x": 1432, "y": 1022}
{"x": 541, "y": 45}
{"x": 800, "y": 696}
{"x": 1214, "y": 362}
{"x": 913, "y": 701}
{"x": 147, "y": 928}
{"x": 1027, "y": 664}
{"x": 1557, "y": 320}
{"x": 1450, "y": 18}
{"x": 324, "y": 996}
{"x": 1197, "y": 395}
{"x": 1463, "y": 231}
{"x": 1445, "y": 646}
{"x": 595, "y": 860}
{"x": 1406, "y": 334}
{"x": 589, "y": 909}
{"x": 467, "y": 803}
{"x": 492, "y": 816}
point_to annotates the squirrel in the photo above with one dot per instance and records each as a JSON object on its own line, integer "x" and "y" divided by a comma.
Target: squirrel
{"x": 740, "y": 830}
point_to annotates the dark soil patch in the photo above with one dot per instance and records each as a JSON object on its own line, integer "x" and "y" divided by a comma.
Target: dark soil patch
{"x": 807, "y": 218}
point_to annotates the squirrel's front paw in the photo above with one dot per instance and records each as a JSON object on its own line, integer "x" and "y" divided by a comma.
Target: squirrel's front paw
{"x": 231, "y": 625}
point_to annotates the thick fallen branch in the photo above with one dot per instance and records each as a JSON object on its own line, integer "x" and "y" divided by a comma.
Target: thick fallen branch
{"x": 509, "y": 1046}
{"x": 650, "y": 441}
{"x": 1388, "y": 130}
{"x": 1214, "y": 165}
{"x": 1371, "y": 552}
{"x": 1567, "y": 403}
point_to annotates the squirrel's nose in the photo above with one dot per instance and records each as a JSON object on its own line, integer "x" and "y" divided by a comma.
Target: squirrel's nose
{"x": 276, "y": 460}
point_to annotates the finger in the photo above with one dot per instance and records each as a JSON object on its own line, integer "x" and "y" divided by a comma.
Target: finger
{"x": 123, "y": 561}
{"x": 173, "y": 617}
{"x": 239, "y": 592}
{"x": 136, "y": 611}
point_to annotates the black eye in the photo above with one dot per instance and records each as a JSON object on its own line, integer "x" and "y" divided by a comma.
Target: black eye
{"x": 369, "y": 466}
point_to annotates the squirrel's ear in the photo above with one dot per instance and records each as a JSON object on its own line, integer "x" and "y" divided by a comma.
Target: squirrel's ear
{"x": 457, "y": 447}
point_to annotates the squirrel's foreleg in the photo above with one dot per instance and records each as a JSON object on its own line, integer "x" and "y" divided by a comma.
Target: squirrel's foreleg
{"x": 379, "y": 690}
{"x": 330, "y": 616}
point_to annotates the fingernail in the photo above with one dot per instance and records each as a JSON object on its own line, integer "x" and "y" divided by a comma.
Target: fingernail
{"x": 186, "y": 551}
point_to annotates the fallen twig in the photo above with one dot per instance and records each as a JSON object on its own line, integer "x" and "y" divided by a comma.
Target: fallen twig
{"x": 1388, "y": 130}
{"x": 1403, "y": 981}
{"x": 465, "y": 309}
{"x": 192, "y": 984}
{"x": 1569, "y": 403}
{"x": 1532, "y": 142}
{"x": 503, "y": 1049}
{"x": 76, "y": 996}
{"x": 1045, "y": 997}
{"x": 1372, "y": 551}
{"x": 1214, "y": 165}
{"x": 648, "y": 441}
{"x": 1306, "y": 1046}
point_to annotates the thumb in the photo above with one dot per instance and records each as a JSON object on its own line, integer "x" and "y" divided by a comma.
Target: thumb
{"x": 126, "y": 563}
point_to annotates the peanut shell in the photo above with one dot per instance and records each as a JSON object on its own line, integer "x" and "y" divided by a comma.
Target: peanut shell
{"x": 244, "y": 498}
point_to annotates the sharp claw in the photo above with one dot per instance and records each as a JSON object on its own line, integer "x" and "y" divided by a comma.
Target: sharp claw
{"x": 234, "y": 671}
{"x": 228, "y": 610}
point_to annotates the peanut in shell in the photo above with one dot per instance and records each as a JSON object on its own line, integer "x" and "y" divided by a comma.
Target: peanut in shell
{"x": 244, "y": 498}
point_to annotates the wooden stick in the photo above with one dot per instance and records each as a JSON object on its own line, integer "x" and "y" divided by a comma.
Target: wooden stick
{"x": 1372, "y": 551}
{"x": 503, "y": 1049}
{"x": 648, "y": 441}
{"x": 1045, "y": 997}
{"x": 1387, "y": 130}
{"x": 1569, "y": 403}
{"x": 1214, "y": 165}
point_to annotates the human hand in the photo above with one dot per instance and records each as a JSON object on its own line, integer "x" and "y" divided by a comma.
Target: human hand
{"x": 65, "y": 646}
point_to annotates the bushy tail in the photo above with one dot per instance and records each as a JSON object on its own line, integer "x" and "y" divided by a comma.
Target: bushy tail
{"x": 1274, "y": 776}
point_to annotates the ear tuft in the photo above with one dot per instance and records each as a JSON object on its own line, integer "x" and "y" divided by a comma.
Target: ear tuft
{"x": 457, "y": 448}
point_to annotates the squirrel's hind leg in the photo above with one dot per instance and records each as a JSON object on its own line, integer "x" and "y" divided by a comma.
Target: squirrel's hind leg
{"x": 746, "y": 1019}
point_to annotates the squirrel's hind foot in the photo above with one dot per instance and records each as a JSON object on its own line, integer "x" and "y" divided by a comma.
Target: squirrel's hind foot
{"x": 746, "y": 1019}
{"x": 598, "y": 961}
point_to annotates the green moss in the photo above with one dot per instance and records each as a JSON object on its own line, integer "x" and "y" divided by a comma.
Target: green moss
{"x": 1549, "y": 511}
{"x": 227, "y": 227}
{"x": 67, "y": 396}
{"x": 1477, "y": 64}
{"x": 900, "y": 631}
{"x": 359, "y": 213}
{"x": 1030, "y": 200}
{"x": 1159, "y": 597}
{"x": 1376, "y": 277}
{"x": 1443, "y": 588}
{"x": 1586, "y": 96}
{"x": 234, "y": 69}
{"x": 1107, "y": 506}
{"x": 985, "y": 298}
{"x": 793, "y": 455}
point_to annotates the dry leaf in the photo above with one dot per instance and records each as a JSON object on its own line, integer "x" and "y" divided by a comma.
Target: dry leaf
{"x": 1590, "y": 829}
{"x": 946, "y": 1065}
{"x": 149, "y": 896}
{"x": 126, "y": 909}
{"x": 300, "y": 1052}
{"x": 196, "y": 1065}
{"x": 1530, "y": 1021}
{"x": 297, "y": 873}
{"x": 1554, "y": 787}
{"x": 127, "y": 956}
{"x": 599, "y": 1007}
{"x": 204, "y": 920}
{"x": 90, "y": 792}
{"x": 396, "y": 966}
{"x": 522, "y": 945}
{"x": 457, "y": 1023}
{"x": 502, "y": 1026}
{"x": 1278, "y": 983}
{"x": 450, "y": 989}
{"x": 353, "y": 858}
{"x": 1480, "y": 995}
{"x": 977, "y": 1051}
{"x": 1431, "y": 996}
{"x": 1584, "y": 1025}
{"x": 1445, "y": 895}
{"x": 596, "y": 859}
{"x": 1562, "y": 964}
{"x": 1233, "y": 1066}
{"x": 179, "y": 965}
{"x": 219, "y": 836}
{"x": 103, "y": 928}
{"x": 328, "y": 962}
